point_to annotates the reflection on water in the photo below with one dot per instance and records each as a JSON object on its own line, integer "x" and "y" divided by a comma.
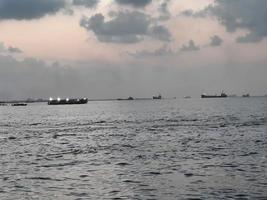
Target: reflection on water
{"x": 169, "y": 149}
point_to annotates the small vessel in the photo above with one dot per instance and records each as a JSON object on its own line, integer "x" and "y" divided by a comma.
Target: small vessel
{"x": 19, "y": 104}
{"x": 187, "y": 97}
{"x": 128, "y": 99}
{"x": 67, "y": 101}
{"x": 157, "y": 97}
{"x": 223, "y": 95}
{"x": 246, "y": 95}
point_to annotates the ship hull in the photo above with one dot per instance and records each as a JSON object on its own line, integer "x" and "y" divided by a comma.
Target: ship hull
{"x": 212, "y": 96}
{"x": 68, "y": 102}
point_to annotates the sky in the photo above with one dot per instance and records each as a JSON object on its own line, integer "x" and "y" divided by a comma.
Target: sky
{"x": 140, "y": 48}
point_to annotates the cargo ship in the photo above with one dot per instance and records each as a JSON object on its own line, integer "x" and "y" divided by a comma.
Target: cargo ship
{"x": 246, "y": 95}
{"x": 223, "y": 95}
{"x": 67, "y": 101}
{"x": 157, "y": 97}
{"x": 19, "y": 104}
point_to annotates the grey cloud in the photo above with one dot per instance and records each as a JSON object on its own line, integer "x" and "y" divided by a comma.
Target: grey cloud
{"x": 250, "y": 38}
{"x": 160, "y": 52}
{"x": 4, "y": 49}
{"x": 246, "y": 14}
{"x": 164, "y": 10}
{"x": 215, "y": 41}
{"x": 191, "y": 46}
{"x": 34, "y": 78}
{"x": 160, "y": 32}
{"x": 86, "y": 3}
{"x": 135, "y": 3}
{"x": 188, "y": 13}
{"x": 14, "y": 50}
{"x": 124, "y": 27}
{"x": 29, "y": 9}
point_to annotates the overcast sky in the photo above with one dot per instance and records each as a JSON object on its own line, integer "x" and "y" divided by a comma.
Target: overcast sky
{"x": 140, "y": 48}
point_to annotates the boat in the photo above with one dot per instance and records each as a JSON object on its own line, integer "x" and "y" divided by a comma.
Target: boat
{"x": 19, "y": 104}
{"x": 187, "y": 97}
{"x": 246, "y": 95}
{"x": 157, "y": 97}
{"x": 128, "y": 99}
{"x": 67, "y": 101}
{"x": 223, "y": 95}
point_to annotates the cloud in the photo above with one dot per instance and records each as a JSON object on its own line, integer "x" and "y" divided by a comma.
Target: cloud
{"x": 86, "y": 3}
{"x": 29, "y": 9}
{"x": 190, "y": 46}
{"x": 14, "y": 50}
{"x": 246, "y": 14}
{"x": 135, "y": 3}
{"x": 164, "y": 10}
{"x": 4, "y": 49}
{"x": 124, "y": 27}
{"x": 160, "y": 52}
{"x": 36, "y": 79}
{"x": 160, "y": 32}
{"x": 215, "y": 41}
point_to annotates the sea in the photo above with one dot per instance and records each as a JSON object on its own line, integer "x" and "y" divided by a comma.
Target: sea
{"x": 170, "y": 149}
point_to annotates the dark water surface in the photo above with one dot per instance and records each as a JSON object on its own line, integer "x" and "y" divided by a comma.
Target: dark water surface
{"x": 167, "y": 149}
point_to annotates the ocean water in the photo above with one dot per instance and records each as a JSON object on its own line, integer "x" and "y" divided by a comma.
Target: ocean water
{"x": 163, "y": 149}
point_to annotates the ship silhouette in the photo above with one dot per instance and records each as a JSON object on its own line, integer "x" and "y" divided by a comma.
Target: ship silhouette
{"x": 223, "y": 95}
{"x": 67, "y": 101}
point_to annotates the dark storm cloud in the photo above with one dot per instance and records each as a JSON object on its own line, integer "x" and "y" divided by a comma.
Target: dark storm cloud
{"x": 135, "y": 3}
{"x": 86, "y": 3}
{"x": 191, "y": 46}
{"x": 215, "y": 41}
{"x": 249, "y": 15}
{"x": 125, "y": 27}
{"x": 29, "y": 9}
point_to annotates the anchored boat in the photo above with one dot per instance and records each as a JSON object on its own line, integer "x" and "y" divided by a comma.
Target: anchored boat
{"x": 157, "y": 97}
{"x": 223, "y": 95}
{"x": 67, "y": 101}
{"x": 19, "y": 104}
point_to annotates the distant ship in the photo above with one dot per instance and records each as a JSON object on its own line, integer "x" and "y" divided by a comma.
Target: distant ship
{"x": 187, "y": 97}
{"x": 157, "y": 97}
{"x": 223, "y": 95}
{"x": 129, "y": 99}
{"x": 246, "y": 95}
{"x": 19, "y": 104}
{"x": 67, "y": 101}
